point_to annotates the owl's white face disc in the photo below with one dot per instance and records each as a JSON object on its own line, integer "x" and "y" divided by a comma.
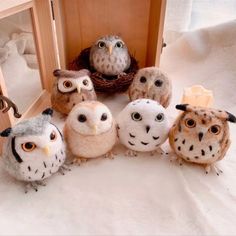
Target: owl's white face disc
{"x": 143, "y": 125}
{"x": 66, "y": 85}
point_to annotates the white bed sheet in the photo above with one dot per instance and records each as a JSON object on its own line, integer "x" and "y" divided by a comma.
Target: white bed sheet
{"x": 143, "y": 195}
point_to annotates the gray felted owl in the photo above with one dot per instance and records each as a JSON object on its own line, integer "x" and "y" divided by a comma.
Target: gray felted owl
{"x": 201, "y": 135}
{"x": 152, "y": 83}
{"x": 110, "y": 56}
{"x": 70, "y": 88}
{"x": 34, "y": 150}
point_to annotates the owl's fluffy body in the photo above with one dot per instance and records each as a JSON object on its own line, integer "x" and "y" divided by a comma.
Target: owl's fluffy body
{"x": 64, "y": 99}
{"x": 146, "y": 134}
{"x": 151, "y": 83}
{"x": 110, "y": 60}
{"x": 33, "y": 165}
{"x": 90, "y": 146}
{"x": 200, "y": 135}
{"x": 91, "y": 136}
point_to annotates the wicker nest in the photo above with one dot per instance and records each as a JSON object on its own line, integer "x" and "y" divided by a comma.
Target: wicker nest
{"x": 103, "y": 83}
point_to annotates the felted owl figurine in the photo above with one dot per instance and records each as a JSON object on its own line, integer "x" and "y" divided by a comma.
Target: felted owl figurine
{"x": 70, "y": 88}
{"x": 151, "y": 83}
{"x": 90, "y": 131}
{"x": 142, "y": 126}
{"x": 201, "y": 135}
{"x": 110, "y": 56}
{"x": 34, "y": 150}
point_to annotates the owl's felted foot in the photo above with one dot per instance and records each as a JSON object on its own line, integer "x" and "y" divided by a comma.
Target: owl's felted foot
{"x": 131, "y": 153}
{"x": 41, "y": 183}
{"x": 214, "y": 168}
{"x": 110, "y": 155}
{"x": 79, "y": 160}
{"x": 158, "y": 151}
{"x": 31, "y": 185}
{"x": 63, "y": 168}
{"x": 121, "y": 74}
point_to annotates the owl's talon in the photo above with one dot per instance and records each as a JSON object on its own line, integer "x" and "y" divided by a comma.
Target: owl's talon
{"x": 31, "y": 185}
{"x": 41, "y": 183}
{"x": 79, "y": 160}
{"x": 110, "y": 155}
{"x": 131, "y": 153}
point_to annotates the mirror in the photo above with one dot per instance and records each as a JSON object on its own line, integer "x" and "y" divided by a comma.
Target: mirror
{"x": 18, "y": 59}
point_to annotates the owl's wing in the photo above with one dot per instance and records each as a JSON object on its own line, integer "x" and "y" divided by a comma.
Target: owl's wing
{"x": 165, "y": 100}
{"x": 225, "y": 148}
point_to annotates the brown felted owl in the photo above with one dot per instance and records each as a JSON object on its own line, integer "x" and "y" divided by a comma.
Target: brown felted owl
{"x": 201, "y": 135}
{"x": 153, "y": 84}
{"x": 70, "y": 88}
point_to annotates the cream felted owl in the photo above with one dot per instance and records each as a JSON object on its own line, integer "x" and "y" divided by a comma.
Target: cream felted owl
{"x": 151, "y": 83}
{"x": 201, "y": 135}
{"x": 34, "y": 150}
{"x": 142, "y": 126}
{"x": 70, "y": 88}
{"x": 110, "y": 56}
{"x": 90, "y": 131}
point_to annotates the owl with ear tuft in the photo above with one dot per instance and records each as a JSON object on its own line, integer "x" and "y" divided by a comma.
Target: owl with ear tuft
{"x": 70, "y": 88}
{"x": 201, "y": 135}
{"x": 90, "y": 131}
{"x": 33, "y": 150}
{"x": 151, "y": 83}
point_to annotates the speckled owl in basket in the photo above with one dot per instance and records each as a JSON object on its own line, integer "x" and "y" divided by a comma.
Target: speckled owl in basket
{"x": 70, "y": 88}
{"x": 151, "y": 83}
{"x": 142, "y": 126}
{"x": 90, "y": 131}
{"x": 201, "y": 135}
{"x": 34, "y": 150}
{"x": 110, "y": 56}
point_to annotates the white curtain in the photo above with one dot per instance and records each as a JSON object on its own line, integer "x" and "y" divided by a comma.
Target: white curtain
{"x": 186, "y": 15}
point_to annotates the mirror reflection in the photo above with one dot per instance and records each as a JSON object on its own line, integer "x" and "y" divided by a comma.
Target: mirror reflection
{"x": 18, "y": 59}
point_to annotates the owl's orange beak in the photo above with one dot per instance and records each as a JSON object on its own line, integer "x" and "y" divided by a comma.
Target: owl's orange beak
{"x": 110, "y": 49}
{"x": 94, "y": 128}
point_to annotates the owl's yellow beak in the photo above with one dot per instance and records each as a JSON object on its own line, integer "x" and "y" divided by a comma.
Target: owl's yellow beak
{"x": 47, "y": 150}
{"x": 78, "y": 89}
{"x": 110, "y": 49}
{"x": 94, "y": 128}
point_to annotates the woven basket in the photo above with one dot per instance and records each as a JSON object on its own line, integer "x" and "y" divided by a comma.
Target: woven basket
{"x": 103, "y": 83}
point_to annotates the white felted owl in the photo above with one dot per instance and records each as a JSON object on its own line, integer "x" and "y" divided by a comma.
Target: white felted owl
{"x": 142, "y": 126}
{"x": 110, "y": 56}
{"x": 34, "y": 150}
{"x": 70, "y": 88}
{"x": 90, "y": 131}
{"x": 201, "y": 135}
{"x": 151, "y": 83}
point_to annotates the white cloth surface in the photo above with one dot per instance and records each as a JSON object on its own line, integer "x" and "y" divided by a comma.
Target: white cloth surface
{"x": 143, "y": 195}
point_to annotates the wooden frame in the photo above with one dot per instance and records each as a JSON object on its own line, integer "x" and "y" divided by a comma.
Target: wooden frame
{"x": 41, "y": 16}
{"x": 139, "y": 22}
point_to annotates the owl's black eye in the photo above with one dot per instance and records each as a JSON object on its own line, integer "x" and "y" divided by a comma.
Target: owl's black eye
{"x": 28, "y": 147}
{"x": 190, "y": 123}
{"x": 158, "y": 83}
{"x": 53, "y": 136}
{"x": 103, "y": 117}
{"x": 82, "y": 118}
{"x": 136, "y": 116}
{"x": 119, "y": 44}
{"x": 67, "y": 84}
{"x": 215, "y": 129}
{"x": 160, "y": 117}
{"x": 85, "y": 82}
{"x": 143, "y": 79}
{"x": 101, "y": 44}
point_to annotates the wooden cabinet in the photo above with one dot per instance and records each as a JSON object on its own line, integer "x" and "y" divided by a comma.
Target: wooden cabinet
{"x": 60, "y": 29}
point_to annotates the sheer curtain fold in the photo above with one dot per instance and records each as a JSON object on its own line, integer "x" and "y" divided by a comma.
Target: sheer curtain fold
{"x": 187, "y": 15}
